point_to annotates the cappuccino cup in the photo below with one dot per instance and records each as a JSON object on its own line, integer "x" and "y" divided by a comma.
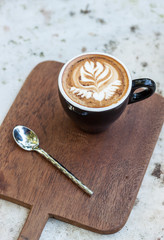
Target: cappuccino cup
{"x": 95, "y": 88}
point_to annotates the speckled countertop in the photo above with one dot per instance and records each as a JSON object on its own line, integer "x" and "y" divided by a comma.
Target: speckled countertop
{"x": 133, "y": 30}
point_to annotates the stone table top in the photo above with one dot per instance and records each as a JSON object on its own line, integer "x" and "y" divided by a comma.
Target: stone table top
{"x": 133, "y": 30}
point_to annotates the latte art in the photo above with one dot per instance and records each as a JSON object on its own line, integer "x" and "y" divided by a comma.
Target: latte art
{"x": 96, "y": 80}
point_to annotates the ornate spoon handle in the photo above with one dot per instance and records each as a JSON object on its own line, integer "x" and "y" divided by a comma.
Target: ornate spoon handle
{"x": 64, "y": 170}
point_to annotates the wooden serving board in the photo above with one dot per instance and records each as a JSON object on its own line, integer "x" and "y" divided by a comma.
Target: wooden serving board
{"x": 111, "y": 163}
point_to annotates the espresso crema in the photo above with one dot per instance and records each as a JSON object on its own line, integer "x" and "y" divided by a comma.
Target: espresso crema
{"x": 95, "y": 81}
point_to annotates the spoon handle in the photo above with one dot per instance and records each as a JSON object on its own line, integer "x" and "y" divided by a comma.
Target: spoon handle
{"x": 64, "y": 170}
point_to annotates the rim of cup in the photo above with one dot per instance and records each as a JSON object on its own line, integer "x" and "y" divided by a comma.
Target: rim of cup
{"x": 100, "y": 109}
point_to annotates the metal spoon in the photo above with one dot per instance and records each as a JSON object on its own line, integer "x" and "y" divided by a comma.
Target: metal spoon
{"x": 29, "y": 141}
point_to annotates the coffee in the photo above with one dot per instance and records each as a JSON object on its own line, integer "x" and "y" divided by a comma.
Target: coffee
{"x": 95, "y": 81}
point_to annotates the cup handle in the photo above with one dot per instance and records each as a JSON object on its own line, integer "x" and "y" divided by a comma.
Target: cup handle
{"x": 146, "y": 83}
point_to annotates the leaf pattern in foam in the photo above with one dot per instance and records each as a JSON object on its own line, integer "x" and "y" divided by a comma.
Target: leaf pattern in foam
{"x": 93, "y": 76}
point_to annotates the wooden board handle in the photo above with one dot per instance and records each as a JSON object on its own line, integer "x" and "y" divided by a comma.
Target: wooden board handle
{"x": 34, "y": 224}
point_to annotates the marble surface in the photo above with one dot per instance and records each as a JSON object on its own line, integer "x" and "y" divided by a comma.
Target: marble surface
{"x": 133, "y": 30}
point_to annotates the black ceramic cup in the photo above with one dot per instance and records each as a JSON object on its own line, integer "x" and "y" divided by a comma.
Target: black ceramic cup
{"x": 95, "y": 120}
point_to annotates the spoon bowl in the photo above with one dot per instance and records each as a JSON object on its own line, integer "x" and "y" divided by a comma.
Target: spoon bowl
{"x": 25, "y": 138}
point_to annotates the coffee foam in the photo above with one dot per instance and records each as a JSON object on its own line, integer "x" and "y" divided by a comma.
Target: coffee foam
{"x": 95, "y": 81}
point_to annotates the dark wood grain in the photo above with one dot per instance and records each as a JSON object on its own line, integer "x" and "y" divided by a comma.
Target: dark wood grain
{"x": 111, "y": 163}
